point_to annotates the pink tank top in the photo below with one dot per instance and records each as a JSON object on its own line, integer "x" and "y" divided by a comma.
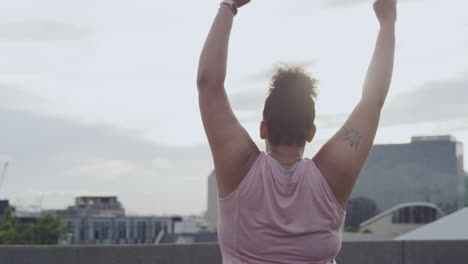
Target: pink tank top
{"x": 271, "y": 218}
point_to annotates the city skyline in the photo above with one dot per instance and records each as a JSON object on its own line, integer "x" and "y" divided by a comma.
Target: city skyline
{"x": 100, "y": 97}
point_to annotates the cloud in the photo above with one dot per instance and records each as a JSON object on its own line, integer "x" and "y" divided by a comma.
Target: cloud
{"x": 56, "y": 153}
{"x": 254, "y": 99}
{"x": 265, "y": 75}
{"x": 14, "y": 96}
{"x": 443, "y": 101}
{"x": 249, "y": 100}
{"x": 42, "y": 30}
{"x": 434, "y": 101}
{"x": 331, "y": 121}
{"x": 342, "y": 3}
{"x": 249, "y": 106}
{"x": 350, "y": 3}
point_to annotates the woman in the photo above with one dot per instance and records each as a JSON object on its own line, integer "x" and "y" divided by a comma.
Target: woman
{"x": 276, "y": 206}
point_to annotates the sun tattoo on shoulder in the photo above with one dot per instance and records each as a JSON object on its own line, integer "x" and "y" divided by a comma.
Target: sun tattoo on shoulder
{"x": 352, "y": 137}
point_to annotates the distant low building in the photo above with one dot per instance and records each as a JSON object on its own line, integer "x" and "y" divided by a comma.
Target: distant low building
{"x": 450, "y": 227}
{"x": 4, "y": 205}
{"x": 102, "y": 220}
{"x": 22, "y": 218}
{"x": 211, "y": 215}
{"x": 96, "y": 206}
{"x": 402, "y": 219}
{"x": 55, "y": 212}
{"x": 117, "y": 230}
{"x": 190, "y": 225}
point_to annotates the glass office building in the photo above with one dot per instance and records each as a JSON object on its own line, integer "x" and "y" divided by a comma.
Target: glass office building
{"x": 429, "y": 169}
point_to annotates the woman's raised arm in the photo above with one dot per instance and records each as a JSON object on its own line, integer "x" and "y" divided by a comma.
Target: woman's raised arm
{"x": 343, "y": 156}
{"x": 234, "y": 152}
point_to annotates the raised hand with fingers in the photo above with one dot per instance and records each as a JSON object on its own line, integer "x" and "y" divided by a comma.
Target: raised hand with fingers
{"x": 386, "y": 11}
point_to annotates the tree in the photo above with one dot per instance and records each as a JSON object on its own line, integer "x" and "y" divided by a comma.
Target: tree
{"x": 360, "y": 209}
{"x": 8, "y": 234}
{"x": 46, "y": 231}
{"x": 351, "y": 229}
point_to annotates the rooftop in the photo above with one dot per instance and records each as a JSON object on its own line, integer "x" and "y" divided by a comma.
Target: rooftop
{"x": 450, "y": 227}
{"x": 433, "y": 138}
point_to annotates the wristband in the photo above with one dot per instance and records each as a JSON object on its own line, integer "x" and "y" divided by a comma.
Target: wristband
{"x": 229, "y": 4}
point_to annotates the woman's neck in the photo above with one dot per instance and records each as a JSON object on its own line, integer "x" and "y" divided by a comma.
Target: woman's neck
{"x": 286, "y": 156}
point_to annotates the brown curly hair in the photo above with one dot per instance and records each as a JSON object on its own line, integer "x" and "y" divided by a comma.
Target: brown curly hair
{"x": 289, "y": 111}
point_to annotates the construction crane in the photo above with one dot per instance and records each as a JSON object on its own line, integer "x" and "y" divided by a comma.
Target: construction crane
{"x": 3, "y": 175}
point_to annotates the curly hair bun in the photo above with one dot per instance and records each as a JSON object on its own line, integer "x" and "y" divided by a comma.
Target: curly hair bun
{"x": 289, "y": 111}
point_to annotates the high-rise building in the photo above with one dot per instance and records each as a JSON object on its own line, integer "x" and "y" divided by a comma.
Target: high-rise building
{"x": 211, "y": 215}
{"x": 466, "y": 188}
{"x": 429, "y": 169}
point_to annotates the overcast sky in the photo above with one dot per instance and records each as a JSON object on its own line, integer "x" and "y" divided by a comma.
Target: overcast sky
{"x": 99, "y": 97}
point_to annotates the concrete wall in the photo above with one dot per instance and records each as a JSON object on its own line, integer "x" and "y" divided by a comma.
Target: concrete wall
{"x": 384, "y": 252}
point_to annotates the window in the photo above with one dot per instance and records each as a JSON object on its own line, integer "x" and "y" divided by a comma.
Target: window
{"x": 105, "y": 231}
{"x": 157, "y": 227}
{"x": 414, "y": 215}
{"x": 121, "y": 230}
{"x": 97, "y": 231}
{"x": 141, "y": 231}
